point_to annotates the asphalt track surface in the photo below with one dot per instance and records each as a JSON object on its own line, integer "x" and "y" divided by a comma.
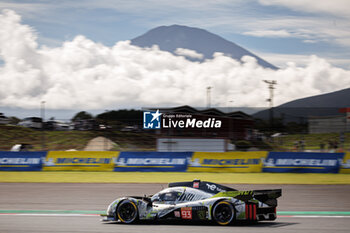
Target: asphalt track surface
{"x": 59, "y": 196}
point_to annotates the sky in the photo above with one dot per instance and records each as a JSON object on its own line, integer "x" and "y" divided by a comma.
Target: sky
{"x": 75, "y": 55}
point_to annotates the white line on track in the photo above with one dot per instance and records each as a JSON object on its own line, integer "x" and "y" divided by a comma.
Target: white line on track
{"x": 97, "y": 215}
{"x": 56, "y": 215}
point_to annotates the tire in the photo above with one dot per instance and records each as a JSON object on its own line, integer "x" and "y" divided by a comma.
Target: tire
{"x": 223, "y": 213}
{"x": 127, "y": 212}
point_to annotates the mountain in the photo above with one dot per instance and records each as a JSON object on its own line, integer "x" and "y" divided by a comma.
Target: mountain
{"x": 169, "y": 38}
{"x": 319, "y": 105}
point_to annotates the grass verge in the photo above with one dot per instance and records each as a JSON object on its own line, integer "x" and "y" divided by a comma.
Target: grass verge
{"x": 166, "y": 177}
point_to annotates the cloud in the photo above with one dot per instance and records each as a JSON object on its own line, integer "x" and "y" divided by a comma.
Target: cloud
{"x": 83, "y": 74}
{"x": 335, "y": 7}
{"x": 282, "y": 60}
{"x": 269, "y": 33}
{"x": 188, "y": 53}
{"x": 305, "y": 20}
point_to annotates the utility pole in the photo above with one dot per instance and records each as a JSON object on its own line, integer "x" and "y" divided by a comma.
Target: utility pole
{"x": 42, "y": 113}
{"x": 208, "y": 96}
{"x": 271, "y": 86}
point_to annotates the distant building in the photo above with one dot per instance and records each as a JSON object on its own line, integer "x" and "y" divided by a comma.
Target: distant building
{"x": 330, "y": 124}
{"x": 174, "y": 144}
{"x": 3, "y": 119}
{"x": 31, "y": 122}
{"x": 87, "y": 124}
{"x": 57, "y": 125}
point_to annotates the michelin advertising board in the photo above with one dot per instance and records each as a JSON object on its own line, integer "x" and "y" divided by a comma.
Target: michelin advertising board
{"x": 303, "y": 162}
{"x": 152, "y": 161}
{"x": 345, "y": 166}
{"x": 80, "y": 161}
{"x": 21, "y": 161}
{"x": 227, "y": 161}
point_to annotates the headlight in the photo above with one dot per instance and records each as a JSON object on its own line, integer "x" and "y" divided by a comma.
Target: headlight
{"x": 110, "y": 210}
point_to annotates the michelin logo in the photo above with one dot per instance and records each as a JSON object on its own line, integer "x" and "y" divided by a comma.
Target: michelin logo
{"x": 300, "y": 162}
{"x": 59, "y": 161}
{"x": 149, "y": 161}
{"x": 151, "y": 120}
{"x": 19, "y": 161}
{"x": 231, "y": 161}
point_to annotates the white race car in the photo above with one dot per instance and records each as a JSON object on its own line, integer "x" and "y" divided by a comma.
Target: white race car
{"x": 197, "y": 200}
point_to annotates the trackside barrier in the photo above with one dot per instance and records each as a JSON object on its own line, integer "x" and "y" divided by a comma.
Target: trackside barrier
{"x": 255, "y": 161}
{"x": 227, "y": 161}
{"x": 153, "y": 161}
{"x": 21, "y": 161}
{"x": 303, "y": 162}
{"x": 80, "y": 161}
{"x": 345, "y": 167}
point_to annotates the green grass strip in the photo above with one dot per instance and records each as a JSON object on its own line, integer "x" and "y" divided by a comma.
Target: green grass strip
{"x": 166, "y": 177}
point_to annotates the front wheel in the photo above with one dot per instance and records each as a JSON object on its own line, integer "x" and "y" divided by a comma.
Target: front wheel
{"x": 223, "y": 213}
{"x": 127, "y": 211}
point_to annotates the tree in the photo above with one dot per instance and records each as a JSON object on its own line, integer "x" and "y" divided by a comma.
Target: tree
{"x": 124, "y": 115}
{"x": 120, "y": 118}
{"x": 14, "y": 120}
{"x": 82, "y": 116}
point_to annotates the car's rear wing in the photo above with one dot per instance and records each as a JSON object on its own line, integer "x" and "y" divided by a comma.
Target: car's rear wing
{"x": 268, "y": 197}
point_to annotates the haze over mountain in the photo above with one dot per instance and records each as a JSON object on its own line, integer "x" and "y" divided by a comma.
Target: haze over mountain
{"x": 170, "y": 38}
{"x": 319, "y": 105}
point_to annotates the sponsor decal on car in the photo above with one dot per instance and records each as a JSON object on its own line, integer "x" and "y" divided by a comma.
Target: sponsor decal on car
{"x": 186, "y": 213}
{"x": 177, "y": 214}
{"x": 196, "y": 185}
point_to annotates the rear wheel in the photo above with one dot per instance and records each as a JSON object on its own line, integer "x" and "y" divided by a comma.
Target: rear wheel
{"x": 127, "y": 211}
{"x": 223, "y": 213}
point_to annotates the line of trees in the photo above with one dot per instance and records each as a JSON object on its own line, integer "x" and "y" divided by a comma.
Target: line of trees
{"x": 116, "y": 119}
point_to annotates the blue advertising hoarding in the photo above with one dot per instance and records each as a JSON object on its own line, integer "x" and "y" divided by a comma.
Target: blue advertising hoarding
{"x": 152, "y": 161}
{"x": 303, "y": 162}
{"x": 21, "y": 161}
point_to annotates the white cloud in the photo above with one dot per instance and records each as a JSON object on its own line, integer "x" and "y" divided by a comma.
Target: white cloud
{"x": 188, "y": 53}
{"x": 310, "y": 41}
{"x": 335, "y": 7}
{"x": 83, "y": 74}
{"x": 282, "y": 60}
{"x": 317, "y": 29}
{"x": 269, "y": 33}
{"x": 328, "y": 21}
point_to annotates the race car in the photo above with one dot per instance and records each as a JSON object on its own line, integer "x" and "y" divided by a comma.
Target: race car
{"x": 197, "y": 200}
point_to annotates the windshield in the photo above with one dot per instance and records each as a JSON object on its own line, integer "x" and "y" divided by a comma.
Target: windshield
{"x": 166, "y": 197}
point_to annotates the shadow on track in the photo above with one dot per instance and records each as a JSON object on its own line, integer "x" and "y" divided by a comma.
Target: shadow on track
{"x": 209, "y": 223}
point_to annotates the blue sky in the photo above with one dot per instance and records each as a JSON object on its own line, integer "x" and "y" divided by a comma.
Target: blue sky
{"x": 277, "y": 30}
